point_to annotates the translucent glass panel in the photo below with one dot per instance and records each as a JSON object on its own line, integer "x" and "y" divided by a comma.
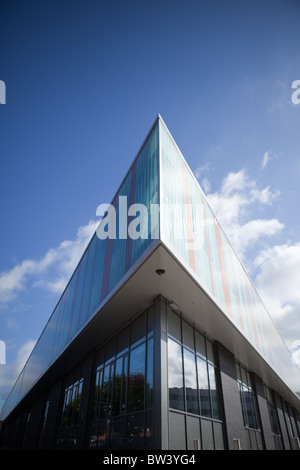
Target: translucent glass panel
{"x": 102, "y": 266}
{"x": 190, "y": 230}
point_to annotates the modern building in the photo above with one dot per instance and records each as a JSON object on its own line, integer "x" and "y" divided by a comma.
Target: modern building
{"x": 160, "y": 340}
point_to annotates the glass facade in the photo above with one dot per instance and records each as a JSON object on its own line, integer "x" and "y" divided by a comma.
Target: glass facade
{"x": 104, "y": 263}
{"x": 194, "y": 407}
{"x": 122, "y": 405}
{"x": 67, "y": 433}
{"x": 190, "y": 230}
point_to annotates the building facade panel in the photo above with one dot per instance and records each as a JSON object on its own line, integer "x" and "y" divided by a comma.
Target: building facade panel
{"x": 264, "y": 413}
{"x": 230, "y": 398}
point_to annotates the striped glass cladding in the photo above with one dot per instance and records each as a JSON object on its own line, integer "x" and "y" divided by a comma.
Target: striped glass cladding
{"x": 103, "y": 265}
{"x": 203, "y": 248}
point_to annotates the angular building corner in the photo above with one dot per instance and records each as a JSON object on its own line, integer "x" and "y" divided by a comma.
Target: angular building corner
{"x": 160, "y": 340}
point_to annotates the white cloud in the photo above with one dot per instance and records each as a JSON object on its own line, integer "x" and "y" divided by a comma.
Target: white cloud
{"x": 277, "y": 282}
{"x": 52, "y": 271}
{"x": 10, "y": 371}
{"x": 13, "y": 280}
{"x": 295, "y": 350}
{"x": 201, "y": 170}
{"x": 279, "y": 273}
{"x": 205, "y": 185}
{"x": 268, "y": 155}
{"x": 265, "y": 160}
{"x": 22, "y": 356}
{"x": 233, "y": 205}
{"x": 236, "y": 205}
{"x": 245, "y": 235}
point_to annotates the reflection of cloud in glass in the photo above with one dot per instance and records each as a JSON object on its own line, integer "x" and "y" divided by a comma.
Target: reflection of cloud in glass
{"x": 175, "y": 365}
{"x": 202, "y": 374}
{"x": 190, "y": 370}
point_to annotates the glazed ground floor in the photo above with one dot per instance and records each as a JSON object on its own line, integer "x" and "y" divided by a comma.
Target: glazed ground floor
{"x": 158, "y": 382}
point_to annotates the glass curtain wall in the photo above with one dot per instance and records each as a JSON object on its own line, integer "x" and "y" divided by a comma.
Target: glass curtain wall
{"x": 194, "y": 408}
{"x": 67, "y": 432}
{"x": 190, "y": 230}
{"x": 122, "y": 404}
{"x": 102, "y": 266}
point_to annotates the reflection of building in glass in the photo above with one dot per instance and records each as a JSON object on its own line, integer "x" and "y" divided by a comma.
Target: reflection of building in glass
{"x": 157, "y": 342}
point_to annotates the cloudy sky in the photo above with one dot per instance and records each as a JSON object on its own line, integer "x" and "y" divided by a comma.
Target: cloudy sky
{"x": 85, "y": 80}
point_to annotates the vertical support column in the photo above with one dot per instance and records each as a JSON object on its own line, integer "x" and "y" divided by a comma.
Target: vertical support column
{"x": 231, "y": 398}
{"x": 47, "y": 439}
{"x": 264, "y": 414}
{"x": 32, "y": 428}
{"x": 160, "y": 421}
{"x": 282, "y": 422}
{"x": 87, "y": 373}
{"x": 297, "y": 418}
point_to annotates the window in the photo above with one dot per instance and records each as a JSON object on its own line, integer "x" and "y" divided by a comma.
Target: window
{"x": 175, "y": 375}
{"x": 174, "y": 325}
{"x": 193, "y": 389}
{"x": 290, "y": 421}
{"x": 67, "y": 434}
{"x": 121, "y": 415}
{"x": 203, "y": 387}
{"x": 117, "y": 433}
{"x": 118, "y": 404}
{"x": 135, "y": 433}
{"x": 275, "y": 426}
{"x": 249, "y": 408}
{"x": 190, "y": 374}
{"x": 149, "y": 375}
{"x": 136, "y": 379}
{"x": 44, "y": 424}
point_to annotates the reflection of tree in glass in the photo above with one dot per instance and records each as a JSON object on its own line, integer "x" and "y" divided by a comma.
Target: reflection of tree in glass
{"x": 136, "y": 385}
{"x": 136, "y": 379}
{"x": 71, "y": 405}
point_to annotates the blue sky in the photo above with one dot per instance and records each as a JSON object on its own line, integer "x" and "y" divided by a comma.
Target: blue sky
{"x": 85, "y": 80}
